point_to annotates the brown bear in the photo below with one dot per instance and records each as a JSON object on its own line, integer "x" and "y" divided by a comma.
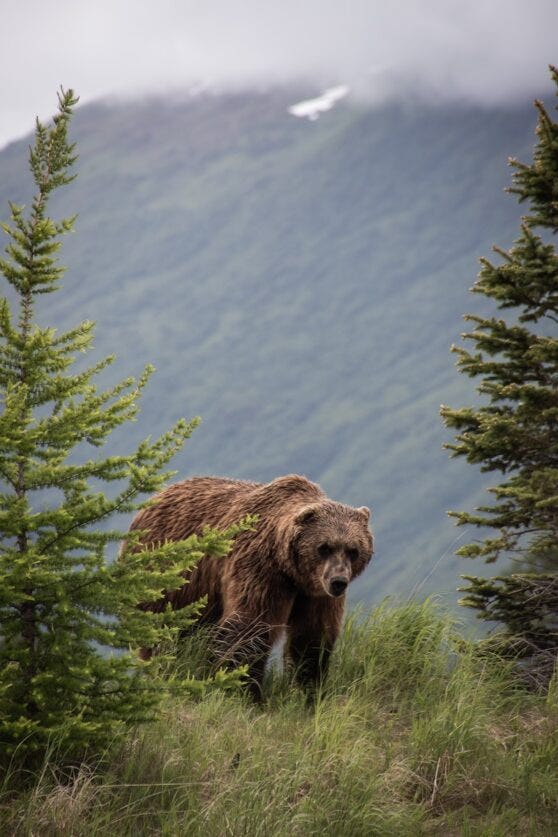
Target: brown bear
{"x": 288, "y": 575}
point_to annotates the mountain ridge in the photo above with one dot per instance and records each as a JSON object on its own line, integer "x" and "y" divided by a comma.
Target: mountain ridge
{"x": 297, "y": 283}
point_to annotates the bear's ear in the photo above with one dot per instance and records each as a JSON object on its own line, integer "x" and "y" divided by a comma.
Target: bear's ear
{"x": 306, "y": 514}
{"x": 365, "y": 511}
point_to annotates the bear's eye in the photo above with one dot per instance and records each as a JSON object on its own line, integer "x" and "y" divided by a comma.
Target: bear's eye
{"x": 324, "y": 550}
{"x": 352, "y": 554}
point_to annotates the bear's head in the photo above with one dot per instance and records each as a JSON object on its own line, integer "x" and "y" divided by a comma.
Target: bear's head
{"x": 332, "y": 544}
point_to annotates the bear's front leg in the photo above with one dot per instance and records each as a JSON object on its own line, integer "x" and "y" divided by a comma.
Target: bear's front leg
{"x": 242, "y": 640}
{"x": 254, "y": 616}
{"x": 313, "y": 628}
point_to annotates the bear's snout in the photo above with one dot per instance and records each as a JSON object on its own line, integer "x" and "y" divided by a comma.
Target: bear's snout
{"x": 338, "y": 585}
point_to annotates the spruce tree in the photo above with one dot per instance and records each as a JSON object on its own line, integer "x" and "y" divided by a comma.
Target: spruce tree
{"x": 515, "y": 431}
{"x": 69, "y": 620}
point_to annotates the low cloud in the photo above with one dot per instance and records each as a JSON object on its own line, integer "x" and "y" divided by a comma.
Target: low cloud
{"x": 438, "y": 50}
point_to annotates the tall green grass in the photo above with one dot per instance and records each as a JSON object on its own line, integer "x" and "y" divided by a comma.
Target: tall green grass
{"x": 414, "y": 734}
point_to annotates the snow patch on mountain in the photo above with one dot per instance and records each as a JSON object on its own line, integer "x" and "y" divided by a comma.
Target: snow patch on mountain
{"x": 311, "y": 108}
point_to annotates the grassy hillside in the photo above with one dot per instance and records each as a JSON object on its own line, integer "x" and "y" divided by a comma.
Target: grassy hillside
{"x": 415, "y": 736}
{"x": 296, "y": 284}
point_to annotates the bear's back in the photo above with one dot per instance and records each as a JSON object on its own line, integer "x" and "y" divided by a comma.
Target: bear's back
{"x": 184, "y": 508}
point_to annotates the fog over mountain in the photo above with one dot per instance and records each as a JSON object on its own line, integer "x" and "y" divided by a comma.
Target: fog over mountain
{"x": 443, "y": 50}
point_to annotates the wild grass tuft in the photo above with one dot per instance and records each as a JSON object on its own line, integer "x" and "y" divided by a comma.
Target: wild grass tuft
{"x": 414, "y": 734}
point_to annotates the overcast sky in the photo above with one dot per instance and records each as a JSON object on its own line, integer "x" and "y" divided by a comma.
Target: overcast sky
{"x": 488, "y": 51}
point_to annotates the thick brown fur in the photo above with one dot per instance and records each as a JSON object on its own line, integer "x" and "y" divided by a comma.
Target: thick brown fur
{"x": 289, "y": 574}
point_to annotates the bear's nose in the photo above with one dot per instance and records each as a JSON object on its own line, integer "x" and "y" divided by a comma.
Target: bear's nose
{"x": 338, "y": 586}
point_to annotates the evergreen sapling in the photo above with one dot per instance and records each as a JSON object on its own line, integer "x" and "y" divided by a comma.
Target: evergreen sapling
{"x": 515, "y": 433}
{"x": 69, "y": 620}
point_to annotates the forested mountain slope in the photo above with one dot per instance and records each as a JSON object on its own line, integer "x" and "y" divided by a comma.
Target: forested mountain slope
{"x": 298, "y": 284}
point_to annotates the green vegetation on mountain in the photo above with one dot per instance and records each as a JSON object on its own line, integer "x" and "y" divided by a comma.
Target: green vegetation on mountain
{"x": 298, "y": 285}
